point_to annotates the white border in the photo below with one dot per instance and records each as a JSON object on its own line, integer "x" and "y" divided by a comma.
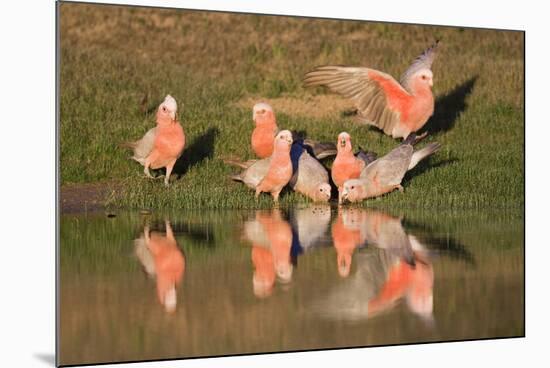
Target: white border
{"x": 28, "y": 205}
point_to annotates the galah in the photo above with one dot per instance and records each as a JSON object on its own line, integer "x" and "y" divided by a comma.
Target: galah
{"x": 386, "y": 173}
{"x": 397, "y": 108}
{"x": 309, "y": 176}
{"x": 266, "y": 129}
{"x": 163, "y": 145}
{"x": 162, "y": 259}
{"x": 280, "y": 167}
{"x": 346, "y": 165}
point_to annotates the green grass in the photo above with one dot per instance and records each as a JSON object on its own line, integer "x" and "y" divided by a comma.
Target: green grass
{"x": 111, "y": 57}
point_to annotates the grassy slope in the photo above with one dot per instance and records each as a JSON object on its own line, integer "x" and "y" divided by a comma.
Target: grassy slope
{"x": 113, "y": 56}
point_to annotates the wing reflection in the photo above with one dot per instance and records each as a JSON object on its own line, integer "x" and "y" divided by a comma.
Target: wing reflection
{"x": 163, "y": 260}
{"x": 397, "y": 269}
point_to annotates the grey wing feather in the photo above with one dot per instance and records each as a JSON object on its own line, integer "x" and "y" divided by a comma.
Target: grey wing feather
{"x": 255, "y": 173}
{"x": 144, "y": 146}
{"x": 308, "y": 174}
{"x": 367, "y": 94}
{"x": 390, "y": 168}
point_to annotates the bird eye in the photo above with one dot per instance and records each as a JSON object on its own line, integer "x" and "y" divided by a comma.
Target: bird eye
{"x": 424, "y": 77}
{"x": 262, "y": 111}
{"x": 164, "y": 108}
{"x": 352, "y": 187}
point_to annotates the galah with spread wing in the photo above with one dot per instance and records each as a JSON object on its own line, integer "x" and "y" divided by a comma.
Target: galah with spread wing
{"x": 386, "y": 173}
{"x": 266, "y": 129}
{"x": 397, "y": 108}
{"x": 162, "y": 145}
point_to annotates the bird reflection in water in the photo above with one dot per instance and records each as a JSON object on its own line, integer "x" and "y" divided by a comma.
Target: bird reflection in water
{"x": 163, "y": 260}
{"x": 346, "y": 236}
{"x": 398, "y": 267}
{"x": 271, "y": 238}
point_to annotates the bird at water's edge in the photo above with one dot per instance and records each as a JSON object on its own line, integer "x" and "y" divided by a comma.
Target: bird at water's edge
{"x": 163, "y": 145}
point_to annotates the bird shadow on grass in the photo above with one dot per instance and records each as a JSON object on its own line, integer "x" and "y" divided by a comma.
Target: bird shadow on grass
{"x": 425, "y": 166}
{"x": 448, "y": 108}
{"x": 201, "y": 149}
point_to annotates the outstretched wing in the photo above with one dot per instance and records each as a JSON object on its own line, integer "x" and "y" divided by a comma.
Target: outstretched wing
{"x": 422, "y": 61}
{"x": 390, "y": 168}
{"x": 377, "y": 96}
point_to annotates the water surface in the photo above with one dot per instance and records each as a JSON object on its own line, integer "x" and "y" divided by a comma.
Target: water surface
{"x": 189, "y": 283}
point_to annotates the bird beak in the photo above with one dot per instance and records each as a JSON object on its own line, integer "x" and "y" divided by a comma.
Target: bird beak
{"x": 344, "y": 195}
{"x": 343, "y": 143}
{"x": 289, "y": 141}
{"x": 431, "y": 83}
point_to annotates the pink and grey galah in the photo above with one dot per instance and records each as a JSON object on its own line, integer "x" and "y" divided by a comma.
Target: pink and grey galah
{"x": 265, "y": 130}
{"x": 386, "y": 173}
{"x": 397, "y": 108}
{"x": 309, "y": 176}
{"x": 162, "y": 145}
{"x": 279, "y": 170}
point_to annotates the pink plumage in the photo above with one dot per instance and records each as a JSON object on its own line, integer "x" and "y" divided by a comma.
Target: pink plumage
{"x": 396, "y": 108}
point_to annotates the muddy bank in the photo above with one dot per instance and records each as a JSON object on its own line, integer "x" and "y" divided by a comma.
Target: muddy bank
{"x": 75, "y": 198}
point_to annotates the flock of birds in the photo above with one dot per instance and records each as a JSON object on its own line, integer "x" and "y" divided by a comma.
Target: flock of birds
{"x": 399, "y": 109}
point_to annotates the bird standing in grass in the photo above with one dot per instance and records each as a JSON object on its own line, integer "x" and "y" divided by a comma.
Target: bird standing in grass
{"x": 266, "y": 129}
{"x": 161, "y": 146}
{"x": 280, "y": 167}
{"x": 346, "y": 165}
{"x": 396, "y": 108}
{"x": 309, "y": 176}
{"x": 386, "y": 173}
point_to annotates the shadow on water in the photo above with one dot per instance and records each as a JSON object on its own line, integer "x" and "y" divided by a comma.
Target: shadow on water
{"x": 440, "y": 245}
{"x": 448, "y": 108}
{"x": 201, "y": 149}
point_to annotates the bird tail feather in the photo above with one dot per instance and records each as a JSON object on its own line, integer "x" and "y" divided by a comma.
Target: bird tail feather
{"x": 423, "y": 153}
{"x": 130, "y": 145}
{"x": 236, "y": 177}
{"x": 236, "y": 162}
{"x": 321, "y": 150}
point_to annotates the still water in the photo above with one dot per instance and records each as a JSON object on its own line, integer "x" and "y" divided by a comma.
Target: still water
{"x": 188, "y": 284}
